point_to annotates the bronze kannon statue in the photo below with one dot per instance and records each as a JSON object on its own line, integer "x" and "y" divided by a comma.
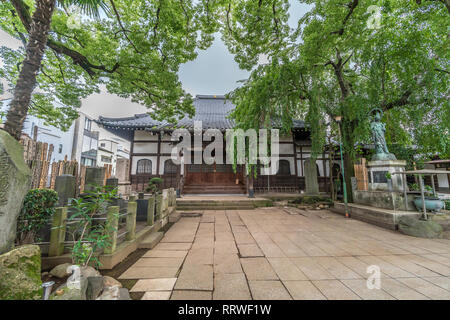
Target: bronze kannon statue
{"x": 378, "y": 130}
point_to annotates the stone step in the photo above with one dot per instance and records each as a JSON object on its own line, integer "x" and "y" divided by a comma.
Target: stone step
{"x": 215, "y": 208}
{"x": 218, "y": 203}
{"x": 174, "y": 217}
{"x": 151, "y": 240}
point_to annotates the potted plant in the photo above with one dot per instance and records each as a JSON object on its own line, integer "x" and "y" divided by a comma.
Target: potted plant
{"x": 432, "y": 203}
{"x": 154, "y": 201}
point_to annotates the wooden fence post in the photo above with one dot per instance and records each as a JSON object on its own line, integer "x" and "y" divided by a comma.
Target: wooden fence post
{"x": 131, "y": 220}
{"x": 151, "y": 210}
{"x": 58, "y": 232}
{"x": 112, "y": 224}
{"x": 158, "y": 206}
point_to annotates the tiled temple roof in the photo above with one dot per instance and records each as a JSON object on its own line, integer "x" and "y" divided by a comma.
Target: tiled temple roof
{"x": 213, "y": 111}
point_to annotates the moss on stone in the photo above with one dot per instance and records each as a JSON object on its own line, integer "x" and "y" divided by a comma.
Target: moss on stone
{"x": 20, "y": 274}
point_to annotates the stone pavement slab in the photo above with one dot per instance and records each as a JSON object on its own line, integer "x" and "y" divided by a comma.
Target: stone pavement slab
{"x": 156, "y": 295}
{"x": 195, "y": 277}
{"x": 269, "y": 290}
{"x": 200, "y": 256}
{"x": 268, "y": 254}
{"x": 258, "y": 269}
{"x": 426, "y": 288}
{"x": 227, "y": 263}
{"x": 335, "y": 290}
{"x": 443, "y": 282}
{"x": 191, "y": 295}
{"x": 359, "y": 286}
{"x": 159, "y": 262}
{"x": 149, "y": 273}
{"x": 312, "y": 269}
{"x": 303, "y": 290}
{"x": 286, "y": 269}
{"x": 231, "y": 287}
{"x": 163, "y": 284}
{"x": 249, "y": 250}
{"x": 183, "y": 246}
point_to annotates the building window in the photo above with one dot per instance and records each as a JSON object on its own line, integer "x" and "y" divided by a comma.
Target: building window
{"x": 106, "y": 159}
{"x": 284, "y": 168}
{"x": 169, "y": 167}
{"x": 88, "y": 162}
{"x": 144, "y": 166}
{"x": 60, "y": 148}
{"x": 87, "y": 124}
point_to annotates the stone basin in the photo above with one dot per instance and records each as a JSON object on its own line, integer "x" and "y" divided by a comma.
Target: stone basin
{"x": 431, "y": 203}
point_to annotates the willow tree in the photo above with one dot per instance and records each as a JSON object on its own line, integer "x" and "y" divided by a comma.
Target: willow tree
{"x": 347, "y": 58}
{"x": 134, "y": 47}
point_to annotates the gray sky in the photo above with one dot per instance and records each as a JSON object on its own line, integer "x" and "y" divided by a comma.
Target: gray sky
{"x": 213, "y": 72}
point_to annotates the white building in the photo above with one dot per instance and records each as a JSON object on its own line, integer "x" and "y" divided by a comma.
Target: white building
{"x": 80, "y": 142}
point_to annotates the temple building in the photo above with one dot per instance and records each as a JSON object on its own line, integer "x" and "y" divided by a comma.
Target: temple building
{"x": 151, "y": 148}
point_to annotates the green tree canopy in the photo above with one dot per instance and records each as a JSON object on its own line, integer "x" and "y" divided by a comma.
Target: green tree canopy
{"x": 134, "y": 47}
{"x": 346, "y": 58}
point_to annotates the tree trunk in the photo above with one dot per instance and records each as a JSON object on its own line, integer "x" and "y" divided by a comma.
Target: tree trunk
{"x": 349, "y": 142}
{"x": 26, "y": 82}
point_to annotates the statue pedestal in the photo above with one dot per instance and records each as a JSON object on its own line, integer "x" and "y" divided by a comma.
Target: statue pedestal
{"x": 377, "y": 171}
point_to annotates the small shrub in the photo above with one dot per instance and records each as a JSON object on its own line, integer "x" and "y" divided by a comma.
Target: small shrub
{"x": 38, "y": 207}
{"x": 90, "y": 236}
{"x": 447, "y": 204}
{"x": 154, "y": 185}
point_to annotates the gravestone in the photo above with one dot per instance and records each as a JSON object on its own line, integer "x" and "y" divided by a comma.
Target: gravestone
{"x": 142, "y": 208}
{"x": 112, "y": 182}
{"x": 312, "y": 185}
{"x": 94, "y": 177}
{"x": 65, "y": 187}
{"x": 15, "y": 180}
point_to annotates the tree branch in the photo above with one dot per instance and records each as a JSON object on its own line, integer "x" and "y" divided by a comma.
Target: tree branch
{"x": 23, "y": 13}
{"x": 122, "y": 27}
{"x": 351, "y": 5}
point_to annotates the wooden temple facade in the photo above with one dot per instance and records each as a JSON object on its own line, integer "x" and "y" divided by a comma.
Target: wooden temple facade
{"x": 151, "y": 148}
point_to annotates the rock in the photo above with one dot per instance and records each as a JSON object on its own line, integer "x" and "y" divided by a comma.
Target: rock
{"x": 60, "y": 271}
{"x": 115, "y": 293}
{"x": 94, "y": 287}
{"x": 124, "y": 294}
{"x": 89, "y": 272}
{"x": 110, "y": 282}
{"x": 419, "y": 228}
{"x": 110, "y": 293}
{"x": 71, "y": 293}
{"x": 14, "y": 183}
{"x": 20, "y": 274}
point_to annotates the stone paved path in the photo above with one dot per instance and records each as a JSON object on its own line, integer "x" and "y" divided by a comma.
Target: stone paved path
{"x": 268, "y": 253}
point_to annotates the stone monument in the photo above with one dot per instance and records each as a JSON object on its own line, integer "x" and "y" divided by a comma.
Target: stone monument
{"x": 384, "y": 163}
{"x": 15, "y": 180}
{"x": 311, "y": 182}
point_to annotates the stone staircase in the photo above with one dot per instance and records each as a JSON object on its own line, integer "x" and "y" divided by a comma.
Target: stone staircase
{"x": 197, "y": 205}
{"x": 214, "y": 189}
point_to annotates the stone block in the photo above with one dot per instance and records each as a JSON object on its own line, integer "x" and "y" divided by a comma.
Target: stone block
{"x": 419, "y": 228}
{"x": 15, "y": 180}
{"x": 65, "y": 186}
